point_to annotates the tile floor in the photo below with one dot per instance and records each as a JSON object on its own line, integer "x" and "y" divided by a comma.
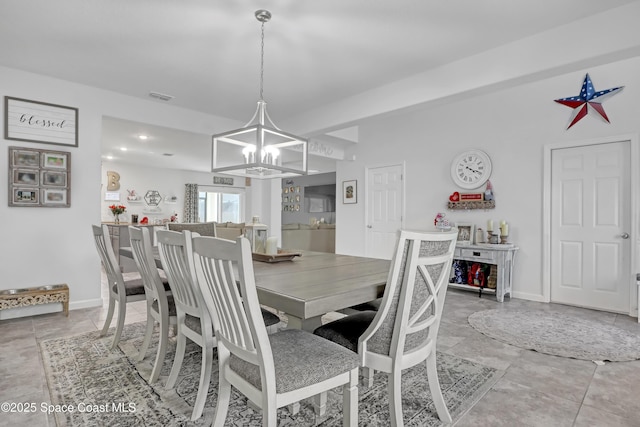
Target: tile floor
{"x": 535, "y": 390}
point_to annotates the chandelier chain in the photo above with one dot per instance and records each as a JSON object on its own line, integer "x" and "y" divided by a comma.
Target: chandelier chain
{"x": 267, "y": 151}
{"x": 262, "y": 64}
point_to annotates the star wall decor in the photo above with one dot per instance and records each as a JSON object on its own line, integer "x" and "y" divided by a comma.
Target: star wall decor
{"x": 588, "y": 101}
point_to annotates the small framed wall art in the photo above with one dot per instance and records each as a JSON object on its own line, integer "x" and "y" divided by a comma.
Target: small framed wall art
{"x": 35, "y": 121}
{"x": 54, "y": 197}
{"x": 24, "y": 196}
{"x": 26, "y": 177}
{"x": 54, "y": 160}
{"x": 350, "y": 192}
{"x": 465, "y": 233}
{"x": 39, "y": 178}
{"x": 24, "y": 158}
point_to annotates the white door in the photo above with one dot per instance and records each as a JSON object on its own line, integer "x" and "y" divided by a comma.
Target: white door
{"x": 384, "y": 210}
{"x": 590, "y": 226}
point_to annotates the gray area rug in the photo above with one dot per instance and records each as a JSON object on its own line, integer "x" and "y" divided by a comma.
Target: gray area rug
{"x": 83, "y": 369}
{"x": 558, "y": 334}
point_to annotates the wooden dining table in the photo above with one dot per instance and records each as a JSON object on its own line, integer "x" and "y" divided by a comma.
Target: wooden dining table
{"x": 313, "y": 284}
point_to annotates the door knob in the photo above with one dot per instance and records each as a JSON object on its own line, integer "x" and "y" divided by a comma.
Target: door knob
{"x": 625, "y": 235}
{"x": 369, "y": 226}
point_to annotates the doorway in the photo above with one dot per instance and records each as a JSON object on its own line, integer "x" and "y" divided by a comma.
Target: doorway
{"x": 385, "y": 209}
{"x": 590, "y": 189}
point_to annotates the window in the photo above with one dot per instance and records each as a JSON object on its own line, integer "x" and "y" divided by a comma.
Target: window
{"x": 220, "y": 207}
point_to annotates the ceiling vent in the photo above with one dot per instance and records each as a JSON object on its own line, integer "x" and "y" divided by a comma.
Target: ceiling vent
{"x": 161, "y": 96}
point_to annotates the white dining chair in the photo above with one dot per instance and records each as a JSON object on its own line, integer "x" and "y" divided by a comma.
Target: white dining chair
{"x": 403, "y": 331}
{"x": 274, "y": 370}
{"x": 160, "y": 304}
{"x": 121, "y": 291}
{"x": 192, "y": 317}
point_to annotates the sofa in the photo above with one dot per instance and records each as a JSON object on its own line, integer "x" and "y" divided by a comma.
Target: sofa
{"x": 224, "y": 230}
{"x": 229, "y": 230}
{"x": 317, "y": 238}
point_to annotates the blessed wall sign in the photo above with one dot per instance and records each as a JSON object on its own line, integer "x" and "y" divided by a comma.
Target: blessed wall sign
{"x": 35, "y": 121}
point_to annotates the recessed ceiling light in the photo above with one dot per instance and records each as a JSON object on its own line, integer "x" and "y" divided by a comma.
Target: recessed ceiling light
{"x": 123, "y": 148}
{"x": 109, "y": 157}
{"x": 143, "y": 137}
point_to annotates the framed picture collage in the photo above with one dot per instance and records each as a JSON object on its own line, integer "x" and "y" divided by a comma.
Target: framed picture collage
{"x": 291, "y": 198}
{"x": 39, "y": 178}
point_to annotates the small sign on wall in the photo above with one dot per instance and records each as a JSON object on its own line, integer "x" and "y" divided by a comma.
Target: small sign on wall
{"x": 34, "y": 121}
{"x": 222, "y": 181}
{"x": 112, "y": 196}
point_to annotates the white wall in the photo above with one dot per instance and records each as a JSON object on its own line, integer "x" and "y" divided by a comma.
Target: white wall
{"x": 168, "y": 182}
{"x": 46, "y": 245}
{"x": 512, "y": 126}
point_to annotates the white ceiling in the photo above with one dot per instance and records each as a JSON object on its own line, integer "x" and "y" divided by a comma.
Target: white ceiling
{"x": 207, "y": 53}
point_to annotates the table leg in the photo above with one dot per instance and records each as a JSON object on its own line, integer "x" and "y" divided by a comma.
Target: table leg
{"x": 308, "y": 325}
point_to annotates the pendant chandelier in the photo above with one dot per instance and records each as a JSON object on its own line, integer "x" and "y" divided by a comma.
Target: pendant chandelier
{"x": 259, "y": 149}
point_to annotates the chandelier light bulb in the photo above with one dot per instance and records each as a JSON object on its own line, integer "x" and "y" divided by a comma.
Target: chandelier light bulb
{"x": 249, "y": 153}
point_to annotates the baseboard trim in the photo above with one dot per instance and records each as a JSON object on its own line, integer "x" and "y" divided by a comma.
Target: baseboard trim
{"x": 529, "y": 297}
{"x": 88, "y": 303}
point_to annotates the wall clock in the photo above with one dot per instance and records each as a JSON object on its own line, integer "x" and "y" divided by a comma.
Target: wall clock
{"x": 471, "y": 169}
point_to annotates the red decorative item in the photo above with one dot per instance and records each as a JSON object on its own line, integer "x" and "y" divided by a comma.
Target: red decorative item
{"x": 455, "y": 197}
{"x": 471, "y": 196}
{"x": 589, "y": 101}
{"x": 475, "y": 276}
{"x": 144, "y": 220}
{"x": 117, "y": 209}
{"x": 441, "y": 223}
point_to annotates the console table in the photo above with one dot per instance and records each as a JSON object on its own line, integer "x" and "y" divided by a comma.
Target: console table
{"x": 500, "y": 255}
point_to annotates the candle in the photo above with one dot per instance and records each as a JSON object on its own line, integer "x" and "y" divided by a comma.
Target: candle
{"x": 504, "y": 229}
{"x": 272, "y": 245}
{"x": 490, "y": 225}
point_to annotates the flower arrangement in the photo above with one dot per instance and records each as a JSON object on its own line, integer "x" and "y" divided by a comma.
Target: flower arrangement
{"x": 117, "y": 209}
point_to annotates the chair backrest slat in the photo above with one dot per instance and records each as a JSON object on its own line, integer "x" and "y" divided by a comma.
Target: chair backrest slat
{"x": 175, "y": 248}
{"x": 143, "y": 257}
{"x": 233, "y": 321}
{"x": 107, "y": 256}
{"x": 224, "y": 272}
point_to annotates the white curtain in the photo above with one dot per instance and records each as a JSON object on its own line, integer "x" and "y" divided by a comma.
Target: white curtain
{"x": 190, "y": 203}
